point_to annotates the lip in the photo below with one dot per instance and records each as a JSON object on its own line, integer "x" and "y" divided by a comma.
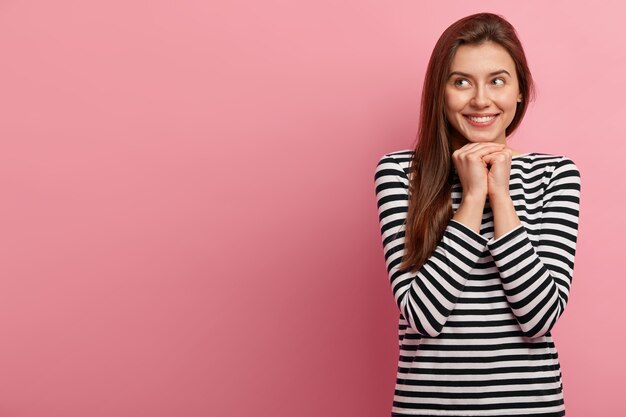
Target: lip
{"x": 476, "y": 124}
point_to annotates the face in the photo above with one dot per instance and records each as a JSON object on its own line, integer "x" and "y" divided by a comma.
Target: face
{"x": 481, "y": 94}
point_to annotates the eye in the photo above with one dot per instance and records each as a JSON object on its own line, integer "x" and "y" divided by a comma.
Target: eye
{"x": 459, "y": 82}
{"x": 498, "y": 81}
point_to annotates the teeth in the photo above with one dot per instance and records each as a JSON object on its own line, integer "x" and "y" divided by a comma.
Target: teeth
{"x": 481, "y": 119}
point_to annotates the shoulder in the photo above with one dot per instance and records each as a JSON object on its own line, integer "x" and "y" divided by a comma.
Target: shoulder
{"x": 392, "y": 172}
{"x": 555, "y": 173}
{"x": 394, "y": 161}
{"x": 546, "y": 162}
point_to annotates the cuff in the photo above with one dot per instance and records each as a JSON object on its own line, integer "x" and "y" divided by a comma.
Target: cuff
{"x": 513, "y": 236}
{"x": 469, "y": 233}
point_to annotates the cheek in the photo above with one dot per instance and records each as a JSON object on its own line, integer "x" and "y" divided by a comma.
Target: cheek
{"x": 508, "y": 100}
{"x": 453, "y": 102}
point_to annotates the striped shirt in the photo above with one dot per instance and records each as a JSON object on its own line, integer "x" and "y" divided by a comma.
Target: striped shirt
{"x": 475, "y": 319}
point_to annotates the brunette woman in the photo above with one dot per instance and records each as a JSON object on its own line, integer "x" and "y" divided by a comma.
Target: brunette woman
{"x": 479, "y": 238}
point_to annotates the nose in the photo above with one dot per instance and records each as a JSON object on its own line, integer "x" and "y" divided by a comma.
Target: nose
{"x": 480, "y": 98}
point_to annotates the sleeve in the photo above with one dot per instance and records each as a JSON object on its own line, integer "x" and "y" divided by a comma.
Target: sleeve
{"x": 425, "y": 298}
{"x": 537, "y": 280}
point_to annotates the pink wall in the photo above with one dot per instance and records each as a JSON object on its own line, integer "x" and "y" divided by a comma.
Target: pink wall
{"x": 188, "y": 223}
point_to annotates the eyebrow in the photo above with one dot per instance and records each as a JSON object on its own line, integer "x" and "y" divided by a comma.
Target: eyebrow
{"x": 468, "y": 75}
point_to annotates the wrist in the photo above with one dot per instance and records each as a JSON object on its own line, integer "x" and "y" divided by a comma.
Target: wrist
{"x": 500, "y": 204}
{"x": 499, "y": 195}
{"x": 474, "y": 198}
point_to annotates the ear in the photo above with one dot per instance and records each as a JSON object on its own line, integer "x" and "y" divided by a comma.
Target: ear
{"x": 519, "y": 98}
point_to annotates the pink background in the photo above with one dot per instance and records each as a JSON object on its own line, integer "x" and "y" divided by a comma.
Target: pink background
{"x": 188, "y": 222}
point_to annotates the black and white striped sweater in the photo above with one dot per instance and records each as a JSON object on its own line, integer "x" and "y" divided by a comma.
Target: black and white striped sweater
{"x": 475, "y": 319}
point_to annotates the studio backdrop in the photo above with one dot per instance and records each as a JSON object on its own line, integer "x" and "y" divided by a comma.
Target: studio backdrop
{"x": 188, "y": 223}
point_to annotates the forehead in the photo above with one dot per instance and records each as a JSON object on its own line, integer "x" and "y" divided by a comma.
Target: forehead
{"x": 483, "y": 58}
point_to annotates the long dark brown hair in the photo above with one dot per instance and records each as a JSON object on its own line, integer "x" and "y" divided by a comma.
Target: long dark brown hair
{"x": 430, "y": 185}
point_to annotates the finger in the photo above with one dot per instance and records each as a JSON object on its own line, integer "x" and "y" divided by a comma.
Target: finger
{"x": 494, "y": 157}
{"x": 476, "y": 150}
{"x": 508, "y": 148}
{"x": 470, "y": 147}
{"x": 486, "y": 149}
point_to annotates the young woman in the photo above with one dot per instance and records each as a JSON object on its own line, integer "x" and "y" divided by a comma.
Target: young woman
{"x": 479, "y": 238}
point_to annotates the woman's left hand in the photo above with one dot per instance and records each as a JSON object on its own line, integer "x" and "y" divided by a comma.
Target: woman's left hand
{"x": 499, "y": 172}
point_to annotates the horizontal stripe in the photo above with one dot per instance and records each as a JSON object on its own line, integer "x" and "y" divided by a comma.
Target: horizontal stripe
{"x": 469, "y": 406}
{"x": 499, "y": 384}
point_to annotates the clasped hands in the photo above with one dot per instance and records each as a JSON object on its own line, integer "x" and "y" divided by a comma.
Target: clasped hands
{"x": 484, "y": 170}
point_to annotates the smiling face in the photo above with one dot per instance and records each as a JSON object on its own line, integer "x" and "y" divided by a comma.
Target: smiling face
{"x": 481, "y": 94}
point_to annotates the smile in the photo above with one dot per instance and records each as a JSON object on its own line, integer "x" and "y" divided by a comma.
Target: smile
{"x": 481, "y": 121}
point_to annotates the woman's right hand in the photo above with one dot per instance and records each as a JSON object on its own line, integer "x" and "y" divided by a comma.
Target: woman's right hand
{"x": 471, "y": 168}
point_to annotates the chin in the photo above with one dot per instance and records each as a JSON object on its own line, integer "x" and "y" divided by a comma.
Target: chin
{"x": 487, "y": 140}
{"x": 472, "y": 137}
{"x": 482, "y": 138}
